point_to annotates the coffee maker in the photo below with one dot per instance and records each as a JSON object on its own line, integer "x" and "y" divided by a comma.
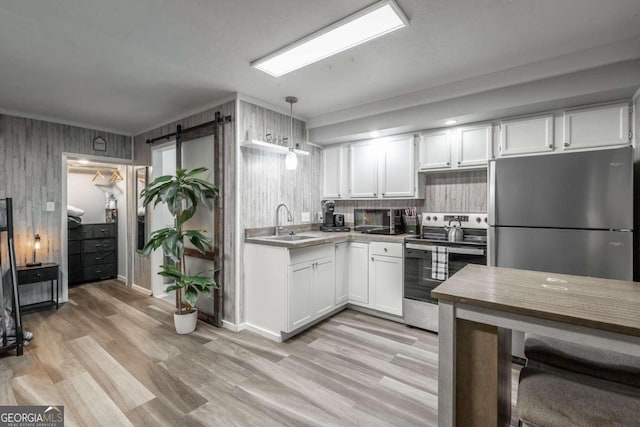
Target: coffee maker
{"x": 331, "y": 221}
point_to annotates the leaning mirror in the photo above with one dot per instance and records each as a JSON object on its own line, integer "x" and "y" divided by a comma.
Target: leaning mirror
{"x": 141, "y": 211}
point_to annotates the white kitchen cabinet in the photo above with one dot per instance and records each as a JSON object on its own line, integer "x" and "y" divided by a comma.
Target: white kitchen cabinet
{"x": 301, "y": 294}
{"x": 435, "y": 150}
{"x": 473, "y": 144}
{"x": 386, "y": 277}
{"x": 342, "y": 273}
{"x": 358, "y": 255}
{"x": 600, "y": 126}
{"x": 529, "y": 135}
{"x": 324, "y": 279}
{"x": 364, "y": 160}
{"x": 287, "y": 289}
{"x": 398, "y": 168}
{"x": 333, "y": 160}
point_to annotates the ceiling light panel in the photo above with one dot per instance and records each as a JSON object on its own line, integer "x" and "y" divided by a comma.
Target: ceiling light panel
{"x": 376, "y": 20}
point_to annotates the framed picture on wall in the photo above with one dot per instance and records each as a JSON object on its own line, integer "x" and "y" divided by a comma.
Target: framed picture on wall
{"x": 99, "y": 144}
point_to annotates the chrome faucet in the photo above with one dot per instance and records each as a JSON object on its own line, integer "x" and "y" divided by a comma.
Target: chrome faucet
{"x": 289, "y": 217}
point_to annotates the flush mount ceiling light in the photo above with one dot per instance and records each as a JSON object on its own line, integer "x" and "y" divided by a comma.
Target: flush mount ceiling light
{"x": 372, "y": 22}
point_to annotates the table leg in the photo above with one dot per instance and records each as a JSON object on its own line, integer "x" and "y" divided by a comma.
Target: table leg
{"x": 483, "y": 374}
{"x": 446, "y": 364}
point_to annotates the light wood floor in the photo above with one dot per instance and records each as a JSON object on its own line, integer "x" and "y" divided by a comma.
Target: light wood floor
{"x": 111, "y": 357}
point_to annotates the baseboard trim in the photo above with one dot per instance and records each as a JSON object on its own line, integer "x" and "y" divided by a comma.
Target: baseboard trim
{"x": 263, "y": 332}
{"x": 141, "y": 289}
{"x": 376, "y": 313}
{"x": 122, "y": 278}
{"x": 232, "y": 326}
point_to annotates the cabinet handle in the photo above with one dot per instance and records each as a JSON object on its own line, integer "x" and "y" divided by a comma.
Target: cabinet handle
{"x": 386, "y": 250}
{"x": 38, "y": 274}
{"x": 338, "y": 194}
{"x": 459, "y": 162}
{"x": 98, "y": 245}
{"x": 448, "y": 164}
{"x": 566, "y": 144}
{"x": 371, "y": 258}
{"x": 375, "y": 194}
{"x": 550, "y": 145}
{"x": 98, "y": 258}
{"x": 383, "y": 194}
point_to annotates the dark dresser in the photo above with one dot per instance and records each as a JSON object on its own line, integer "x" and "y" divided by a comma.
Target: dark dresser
{"x": 93, "y": 252}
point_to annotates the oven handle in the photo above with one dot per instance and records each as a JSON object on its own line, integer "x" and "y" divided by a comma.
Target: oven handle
{"x": 452, "y": 249}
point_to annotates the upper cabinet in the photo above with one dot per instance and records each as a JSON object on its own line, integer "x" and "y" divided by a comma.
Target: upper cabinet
{"x": 398, "y": 168}
{"x": 600, "y": 126}
{"x": 468, "y": 146}
{"x": 473, "y": 145}
{"x": 526, "y": 136}
{"x": 332, "y": 172}
{"x": 363, "y": 172}
{"x": 435, "y": 150}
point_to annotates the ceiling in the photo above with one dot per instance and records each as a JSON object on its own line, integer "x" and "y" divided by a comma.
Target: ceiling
{"x": 131, "y": 65}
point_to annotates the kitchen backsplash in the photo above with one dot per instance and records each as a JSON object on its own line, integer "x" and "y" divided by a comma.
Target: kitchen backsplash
{"x": 464, "y": 191}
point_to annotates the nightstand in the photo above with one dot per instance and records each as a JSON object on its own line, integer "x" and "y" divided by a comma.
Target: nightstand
{"x": 47, "y": 272}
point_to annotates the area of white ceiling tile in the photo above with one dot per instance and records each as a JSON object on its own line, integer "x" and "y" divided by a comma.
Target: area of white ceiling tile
{"x": 131, "y": 64}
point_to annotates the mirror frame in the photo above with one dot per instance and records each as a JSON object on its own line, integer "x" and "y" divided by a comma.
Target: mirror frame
{"x": 138, "y": 189}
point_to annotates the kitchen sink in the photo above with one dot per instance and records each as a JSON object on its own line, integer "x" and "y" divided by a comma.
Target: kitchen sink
{"x": 290, "y": 237}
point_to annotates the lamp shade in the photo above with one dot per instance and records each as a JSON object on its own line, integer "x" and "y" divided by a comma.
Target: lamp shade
{"x": 291, "y": 161}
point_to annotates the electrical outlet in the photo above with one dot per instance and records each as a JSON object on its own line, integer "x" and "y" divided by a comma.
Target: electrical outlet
{"x": 306, "y": 216}
{"x": 51, "y": 206}
{"x": 320, "y": 216}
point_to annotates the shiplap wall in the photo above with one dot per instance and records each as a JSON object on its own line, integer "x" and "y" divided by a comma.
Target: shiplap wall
{"x": 142, "y": 157}
{"x": 464, "y": 191}
{"x": 264, "y": 181}
{"x": 31, "y": 159}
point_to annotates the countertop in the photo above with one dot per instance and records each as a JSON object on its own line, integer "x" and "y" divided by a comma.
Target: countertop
{"x": 321, "y": 237}
{"x": 609, "y": 305}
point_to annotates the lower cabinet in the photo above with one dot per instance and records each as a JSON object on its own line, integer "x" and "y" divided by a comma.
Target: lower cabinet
{"x": 358, "y": 255}
{"x": 342, "y": 273}
{"x": 385, "y": 283}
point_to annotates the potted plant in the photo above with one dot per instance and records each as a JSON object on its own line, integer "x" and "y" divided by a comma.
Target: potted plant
{"x": 183, "y": 193}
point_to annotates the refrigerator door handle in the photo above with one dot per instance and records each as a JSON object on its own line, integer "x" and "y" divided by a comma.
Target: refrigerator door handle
{"x": 492, "y": 192}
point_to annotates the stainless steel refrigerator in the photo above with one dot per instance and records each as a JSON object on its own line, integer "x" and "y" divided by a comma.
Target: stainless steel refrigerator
{"x": 568, "y": 213}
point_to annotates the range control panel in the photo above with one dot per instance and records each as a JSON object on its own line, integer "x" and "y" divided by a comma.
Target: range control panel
{"x": 467, "y": 220}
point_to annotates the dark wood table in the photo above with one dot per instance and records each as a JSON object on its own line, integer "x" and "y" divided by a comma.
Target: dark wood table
{"x": 46, "y": 272}
{"x": 480, "y": 306}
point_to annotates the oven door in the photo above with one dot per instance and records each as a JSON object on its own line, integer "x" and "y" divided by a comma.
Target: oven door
{"x": 418, "y": 277}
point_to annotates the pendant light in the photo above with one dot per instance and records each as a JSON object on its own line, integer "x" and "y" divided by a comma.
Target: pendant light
{"x": 291, "y": 161}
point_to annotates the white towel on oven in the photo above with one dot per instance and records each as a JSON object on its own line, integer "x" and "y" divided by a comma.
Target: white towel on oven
{"x": 440, "y": 263}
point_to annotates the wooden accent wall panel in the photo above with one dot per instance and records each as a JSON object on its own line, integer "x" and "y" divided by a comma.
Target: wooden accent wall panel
{"x": 142, "y": 157}
{"x": 31, "y": 173}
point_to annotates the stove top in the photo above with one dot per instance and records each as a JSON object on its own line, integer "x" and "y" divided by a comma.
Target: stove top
{"x": 474, "y": 226}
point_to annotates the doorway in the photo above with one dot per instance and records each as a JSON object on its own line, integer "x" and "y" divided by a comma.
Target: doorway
{"x": 94, "y": 213}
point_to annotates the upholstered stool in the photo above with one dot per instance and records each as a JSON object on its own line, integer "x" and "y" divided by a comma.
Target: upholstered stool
{"x": 544, "y": 352}
{"x": 547, "y": 398}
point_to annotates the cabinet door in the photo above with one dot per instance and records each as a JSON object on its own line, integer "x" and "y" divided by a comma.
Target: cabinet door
{"x": 359, "y": 273}
{"x": 398, "y": 168}
{"x": 363, "y": 172}
{"x": 526, "y": 136}
{"x": 385, "y": 278}
{"x": 596, "y": 127}
{"x": 473, "y": 144}
{"x": 342, "y": 273}
{"x": 324, "y": 285}
{"x": 332, "y": 172}
{"x": 301, "y": 310}
{"x": 435, "y": 150}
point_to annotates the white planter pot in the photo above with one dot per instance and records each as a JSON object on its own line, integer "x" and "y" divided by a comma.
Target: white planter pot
{"x": 185, "y": 323}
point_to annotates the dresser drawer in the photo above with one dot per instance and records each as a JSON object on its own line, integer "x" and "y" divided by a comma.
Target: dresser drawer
{"x": 80, "y": 232}
{"x": 97, "y": 258}
{"x": 37, "y": 275}
{"x": 98, "y": 245}
{"x": 100, "y": 272}
{"x": 75, "y": 247}
{"x": 99, "y": 231}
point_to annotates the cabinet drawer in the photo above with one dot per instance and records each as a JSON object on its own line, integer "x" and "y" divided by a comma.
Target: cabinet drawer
{"x": 38, "y": 275}
{"x": 75, "y": 247}
{"x": 386, "y": 249}
{"x": 297, "y": 256}
{"x": 99, "y": 272}
{"x": 80, "y": 232}
{"x": 99, "y": 231}
{"x": 98, "y": 245}
{"x": 97, "y": 258}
